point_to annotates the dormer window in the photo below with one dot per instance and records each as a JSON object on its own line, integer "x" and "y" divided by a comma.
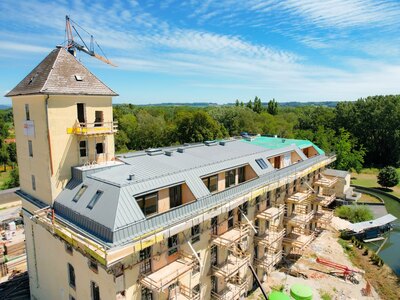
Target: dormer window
{"x": 79, "y": 193}
{"x": 94, "y": 200}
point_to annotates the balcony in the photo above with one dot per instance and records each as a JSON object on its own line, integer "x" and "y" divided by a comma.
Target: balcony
{"x": 323, "y": 216}
{"x": 301, "y": 197}
{"x": 186, "y": 293}
{"x": 269, "y": 238}
{"x": 297, "y": 240}
{"x": 271, "y": 212}
{"x": 326, "y": 182}
{"x": 231, "y": 237}
{"x": 300, "y": 218}
{"x": 159, "y": 280}
{"x": 231, "y": 266}
{"x": 97, "y": 128}
{"x": 325, "y": 200}
{"x": 269, "y": 260}
{"x": 232, "y": 291}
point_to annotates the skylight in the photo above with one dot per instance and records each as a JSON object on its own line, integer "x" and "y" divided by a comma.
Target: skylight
{"x": 79, "y": 193}
{"x": 263, "y": 165}
{"x": 78, "y": 77}
{"x": 94, "y": 200}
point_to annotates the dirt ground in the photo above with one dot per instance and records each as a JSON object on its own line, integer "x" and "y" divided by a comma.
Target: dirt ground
{"x": 324, "y": 285}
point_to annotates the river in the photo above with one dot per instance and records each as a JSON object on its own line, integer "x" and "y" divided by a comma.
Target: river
{"x": 390, "y": 252}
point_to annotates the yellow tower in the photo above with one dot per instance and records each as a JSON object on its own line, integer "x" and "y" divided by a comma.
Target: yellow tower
{"x": 63, "y": 118}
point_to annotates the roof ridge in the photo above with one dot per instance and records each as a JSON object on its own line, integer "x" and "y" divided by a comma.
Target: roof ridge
{"x": 51, "y": 70}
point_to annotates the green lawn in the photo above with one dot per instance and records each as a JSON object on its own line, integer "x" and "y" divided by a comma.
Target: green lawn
{"x": 368, "y": 178}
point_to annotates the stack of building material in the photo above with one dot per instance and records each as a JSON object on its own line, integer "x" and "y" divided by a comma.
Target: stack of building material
{"x": 15, "y": 248}
{"x": 17, "y": 265}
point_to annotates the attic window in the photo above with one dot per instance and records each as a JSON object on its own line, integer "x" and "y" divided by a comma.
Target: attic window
{"x": 80, "y": 193}
{"x": 261, "y": 163}
{"x": 94, "y": 200}
{"x": 78, "y": 77}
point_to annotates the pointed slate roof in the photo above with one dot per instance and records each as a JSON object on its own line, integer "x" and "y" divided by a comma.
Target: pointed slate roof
{"x": 60, "y": 73}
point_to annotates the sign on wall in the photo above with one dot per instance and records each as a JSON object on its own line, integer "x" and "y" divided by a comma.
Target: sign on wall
{"x": 29, "y": 128}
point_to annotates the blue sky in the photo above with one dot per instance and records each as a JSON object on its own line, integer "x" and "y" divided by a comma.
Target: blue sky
{"x": 217, "y": 51}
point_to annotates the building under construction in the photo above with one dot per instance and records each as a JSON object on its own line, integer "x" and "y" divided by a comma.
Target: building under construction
{"x": 176, "y": 223}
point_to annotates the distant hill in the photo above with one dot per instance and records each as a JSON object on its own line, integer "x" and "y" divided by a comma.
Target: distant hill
{"x": 2, "y": 107}
{"x": 207, "y": 104}
{"x": 196, "y": 104}
{"x": 298, "y": 104}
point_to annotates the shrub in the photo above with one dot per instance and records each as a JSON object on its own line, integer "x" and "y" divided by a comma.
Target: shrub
{"x": 354, "y": 213}
{"x": 388, "y": 177}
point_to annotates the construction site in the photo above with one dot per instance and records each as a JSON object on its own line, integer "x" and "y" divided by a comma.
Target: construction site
{"x": 209, "y": 220}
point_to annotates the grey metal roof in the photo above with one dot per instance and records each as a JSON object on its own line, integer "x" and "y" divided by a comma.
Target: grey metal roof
{"x": 361, "y": 226}
{"x": 117, "y": 216}
{"x": 56, "y": 73}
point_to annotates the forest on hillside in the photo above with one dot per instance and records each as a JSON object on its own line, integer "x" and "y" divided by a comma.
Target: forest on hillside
{"x": 362, "y": 133}
{"x": 365, "y": 132}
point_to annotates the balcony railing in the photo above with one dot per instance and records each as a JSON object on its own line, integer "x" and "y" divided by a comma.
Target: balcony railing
{"x": 326, "y": 182}
{"x": 231, "y": 265}
{"x": 164, "y": 277}
{"x": 298, "y": 218}
{"x": 269, "y": 238}
{"x": 269, "y": 260}
{"x": 272, "y": 212}
{"x": 325, "y": 200}
{"x": 186, "y": 293}
{"x": 301, "y": 197}
{"x": 232, "y": 237}
{"x": 232, "y": 291}
{"x": 323, "y": 216}
{"x": 298, "y": 240}
{"x": 96, "y": 128}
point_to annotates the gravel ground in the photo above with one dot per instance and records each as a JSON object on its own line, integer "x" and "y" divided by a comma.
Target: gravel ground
{"x": 324, "y": 246}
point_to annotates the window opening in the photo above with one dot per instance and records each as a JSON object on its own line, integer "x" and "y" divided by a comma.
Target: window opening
{"x": 94, "y": 200}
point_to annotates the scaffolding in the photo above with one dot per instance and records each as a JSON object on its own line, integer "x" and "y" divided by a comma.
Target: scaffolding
{"x": 269, "y": 260}
{"x": 161, "y": 279}
{"x": 272, "y": 213}
{"x": 233, "y": 290}
{"x": 326, "y": 182}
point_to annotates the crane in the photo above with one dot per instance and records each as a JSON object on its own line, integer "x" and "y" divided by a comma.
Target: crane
{"x": 72, "y": 45}
{"x": 343, "y": 270}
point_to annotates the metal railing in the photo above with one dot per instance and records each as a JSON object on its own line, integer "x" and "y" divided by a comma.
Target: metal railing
{"x": 94, "y": 128}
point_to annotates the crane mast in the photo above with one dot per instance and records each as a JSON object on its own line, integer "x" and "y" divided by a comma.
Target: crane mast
{"x": 72, "y": 45}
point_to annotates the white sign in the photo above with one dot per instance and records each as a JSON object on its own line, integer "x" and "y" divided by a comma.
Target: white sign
{"x": 29, "y": 128}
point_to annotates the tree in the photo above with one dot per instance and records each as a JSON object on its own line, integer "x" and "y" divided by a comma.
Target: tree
{"x": 237, "y": 103}
{"x": 347, "y": 155}
{"x": 354, "y": 213}
{"x": 4, "y": 157}
{"x": 198, "y": 126}
{"x": 257, "y": 107}
{"x": 249, "y": 104}
{"x": 13, "y": 181}
{"x": 388, "y": 177}
{"x": 272, "y": 107}
{"x": 12, "y": 152}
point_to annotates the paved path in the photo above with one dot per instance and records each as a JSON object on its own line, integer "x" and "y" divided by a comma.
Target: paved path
{"x": 378, "y": 210}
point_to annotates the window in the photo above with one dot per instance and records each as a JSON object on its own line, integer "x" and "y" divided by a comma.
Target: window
{"x": 258, "y": 202}
{"x": 262, "y": 164}
{"x": 230, "y": 219}
{"x": 148, "y": 203}
{"x": 27, "y": 113}
{"x": 94, "y": 291}
{"x": 33, "y": 182}
{"x": 244, "y": 208}
{"x": 98, "y": 122}
{"x": 211, "y": 183}
{"x": 79, "y": 193}
{"x": 214, "y": 255}
{"x": 83, "y": 148}
{"x": 99, "y": 148}
{"x": 196, "y": 289}
{"x": 214, "y": 226}
{"x": 30, "y": 148}
{"x": 230, "y": 178}
{"x": 195, "y": 233}
{"x": 242, "y": 174}
{"x": 145, "y": 258}
{"x": 80, "y": 108}
{"x": 71, "y": 276}
{"x": 94, "y": 200}
{"x": 173, "y": 244}
{"x": 175, "y": 196}
{"x": 146, "y": 294}
{"x": 68, "y": 248}
{"x": 93, "y": 266}
{"x": 196, "y": 267}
